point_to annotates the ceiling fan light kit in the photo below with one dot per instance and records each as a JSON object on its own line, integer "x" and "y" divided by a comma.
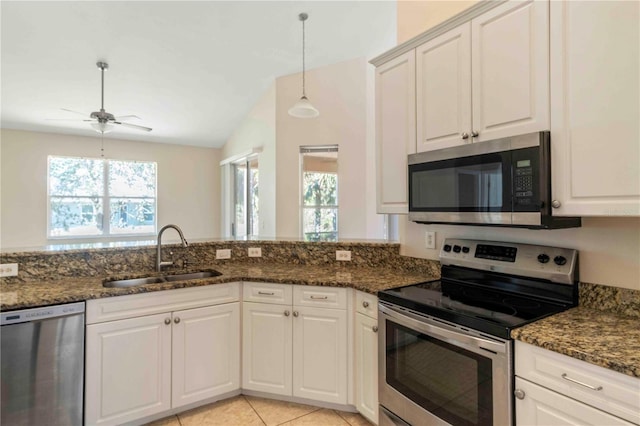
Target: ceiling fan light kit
{"x": 303, "y": 108}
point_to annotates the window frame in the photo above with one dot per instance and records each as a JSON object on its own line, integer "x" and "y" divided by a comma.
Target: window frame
{"x": 105, "y": 198}
{"x": 250, "y": 223}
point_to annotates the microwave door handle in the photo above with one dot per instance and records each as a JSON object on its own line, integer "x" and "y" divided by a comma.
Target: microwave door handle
{"x": 424, "y": 326}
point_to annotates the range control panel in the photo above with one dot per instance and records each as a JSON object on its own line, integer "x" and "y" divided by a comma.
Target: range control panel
{"x": 552, "y": 263}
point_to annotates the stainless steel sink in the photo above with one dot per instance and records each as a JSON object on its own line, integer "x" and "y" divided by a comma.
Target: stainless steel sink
{"x": 132, "y": 282}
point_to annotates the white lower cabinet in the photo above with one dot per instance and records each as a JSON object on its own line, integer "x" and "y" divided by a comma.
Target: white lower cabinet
{"x": 293, "y": 344}
{"x": 555, "y": 389}
{"x": 163, "y": 359}
{"x": 366, "y": 355}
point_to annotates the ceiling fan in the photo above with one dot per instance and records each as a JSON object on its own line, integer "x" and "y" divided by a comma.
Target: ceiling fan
{"x": 103, "y": 121}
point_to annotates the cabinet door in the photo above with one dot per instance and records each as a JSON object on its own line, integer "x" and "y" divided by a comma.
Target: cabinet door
{"x": 395, "y": 131}
{"x": 366, "y": 366}
{"x": 510, "y": 70}
{"x": 320, "y": 354}
{"x": 595, "y": 105}
{"x": 206, "y": 353}
{"x": 128, "y": 369}
{"x": 543, "y": 407}
{"x": 266, "y": 348}
{"x": 443, "y": 86}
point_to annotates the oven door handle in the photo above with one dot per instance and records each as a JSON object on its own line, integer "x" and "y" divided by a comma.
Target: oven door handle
{"x": 432, "y": 328}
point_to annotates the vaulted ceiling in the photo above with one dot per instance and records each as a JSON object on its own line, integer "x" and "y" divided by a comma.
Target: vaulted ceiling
{"x": 191, "y": 70}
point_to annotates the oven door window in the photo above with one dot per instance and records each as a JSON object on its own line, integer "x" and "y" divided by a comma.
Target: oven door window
{"x": 480, "y": 183}
{"x": 449, "y": 382}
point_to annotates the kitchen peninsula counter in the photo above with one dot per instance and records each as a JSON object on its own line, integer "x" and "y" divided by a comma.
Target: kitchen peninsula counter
{"x": 73, "y": 289}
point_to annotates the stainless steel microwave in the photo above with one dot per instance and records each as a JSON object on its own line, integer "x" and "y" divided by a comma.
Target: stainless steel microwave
{"x": 504, "y": 182}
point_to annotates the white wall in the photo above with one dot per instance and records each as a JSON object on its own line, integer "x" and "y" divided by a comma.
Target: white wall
{"x": 609, "y": 248}
{"x": 258, "y": 129}
{"x": 342, "y": 95}
{"x": 188, "y": 183}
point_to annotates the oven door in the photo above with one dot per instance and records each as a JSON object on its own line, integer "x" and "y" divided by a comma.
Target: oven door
{"x": 432, "y": 373}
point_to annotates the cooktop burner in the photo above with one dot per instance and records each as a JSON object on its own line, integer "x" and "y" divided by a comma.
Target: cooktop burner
{"x": 489, "y": 297}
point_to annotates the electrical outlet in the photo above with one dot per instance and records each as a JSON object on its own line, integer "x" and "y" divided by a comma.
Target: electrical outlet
{"x": 223, "y": 254}
{"x": 430, "y": 239}
{"x": 255, "y": 252}
{"x": 8, "y": 270}
{"x": 343, "y": 255}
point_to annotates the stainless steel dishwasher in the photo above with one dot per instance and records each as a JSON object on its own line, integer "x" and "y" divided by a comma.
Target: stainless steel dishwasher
{"x": 42, "y": 357}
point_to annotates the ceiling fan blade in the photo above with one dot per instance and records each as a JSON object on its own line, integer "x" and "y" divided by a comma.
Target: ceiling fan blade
{"x": 68, "y": 119}
{"x": 75, "y": 112}
{"x": 127, "y": 117}
{"x": 133, "y": 126}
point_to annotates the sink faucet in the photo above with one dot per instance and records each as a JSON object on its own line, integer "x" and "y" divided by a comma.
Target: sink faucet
{"x": 159, "y": 262}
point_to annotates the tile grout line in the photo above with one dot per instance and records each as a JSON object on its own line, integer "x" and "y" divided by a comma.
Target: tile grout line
{"x": 299, "y": 417}
{"x": 254, "y": 410}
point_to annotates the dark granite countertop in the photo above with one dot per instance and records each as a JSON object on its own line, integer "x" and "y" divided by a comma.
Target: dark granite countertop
{"x": 598, "y": 337}
{"x": 368, "y": 279}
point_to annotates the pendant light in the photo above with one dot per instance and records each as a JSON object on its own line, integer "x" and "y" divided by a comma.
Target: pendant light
{"x": 303, "y": 108}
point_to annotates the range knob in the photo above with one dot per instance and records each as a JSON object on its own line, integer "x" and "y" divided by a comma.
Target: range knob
{"x": 560, "y": 260}
{"x": 465, "y": 249}
{"x": 543, "y": 258}
{"x": 456, "y": 249}
{"x": 446, "y": 248}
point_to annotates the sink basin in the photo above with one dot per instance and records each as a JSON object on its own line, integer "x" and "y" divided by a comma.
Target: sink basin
{"x": 132, "y": 282}
{"x": 192, "y": 276}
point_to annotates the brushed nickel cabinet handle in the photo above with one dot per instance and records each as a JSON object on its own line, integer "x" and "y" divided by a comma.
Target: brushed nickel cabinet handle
{"x": 266, "y": 293}
{"x": 295, "y": 314}
{"x": 365, "y": 304}
{"x": 319, "y": 297}
{"x": 519, "y": 393}
{"x": 176, "y": 320}
{"x": 374, "y": 328}
{"x": 564, "y": 376}
{"x": 287, "y": 313}
{"x": 556, "y": 204}
{"x": 465, "y": 135}
{"x": 167, "y": 321}
{"x": 475, "y": 133}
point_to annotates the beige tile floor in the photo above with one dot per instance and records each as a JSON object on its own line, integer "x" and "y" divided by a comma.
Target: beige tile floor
{"x": 252, "y": 411}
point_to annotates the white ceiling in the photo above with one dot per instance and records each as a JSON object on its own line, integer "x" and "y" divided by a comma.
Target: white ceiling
{"x": 191, "y": 70}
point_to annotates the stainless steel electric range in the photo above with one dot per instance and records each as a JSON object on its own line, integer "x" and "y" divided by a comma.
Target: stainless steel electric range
{"x": 445, "y": 353}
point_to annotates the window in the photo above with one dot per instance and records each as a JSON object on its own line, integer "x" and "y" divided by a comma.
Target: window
{"x": 319, "y": 193}
{"x": 245, "y": 191}
{"x": 91, "y": 197}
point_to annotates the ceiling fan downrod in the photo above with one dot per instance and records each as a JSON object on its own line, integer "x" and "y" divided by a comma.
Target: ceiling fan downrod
{"x": 103, "y": 66}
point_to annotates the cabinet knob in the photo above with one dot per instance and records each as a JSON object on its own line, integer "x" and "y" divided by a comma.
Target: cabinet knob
{"x": 556, "y": 204}
{"x": 374, "y": 328}
{"x": 167, "y": 321}
{"x": 176, "y": 320}
{"x": 295, "y": 313}
{"x": 475, "y": 133}
{"x": 287, "y": 313}
{"x": 465, "y": 135}
{"x": 365, "y": 304}
{"x": 519, "y": 393}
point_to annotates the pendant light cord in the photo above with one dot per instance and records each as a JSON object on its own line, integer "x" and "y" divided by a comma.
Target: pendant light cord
{"x": 304, "y": 94}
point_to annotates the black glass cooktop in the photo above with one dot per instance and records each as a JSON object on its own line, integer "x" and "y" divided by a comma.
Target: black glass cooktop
{"x": 489, "y": 310}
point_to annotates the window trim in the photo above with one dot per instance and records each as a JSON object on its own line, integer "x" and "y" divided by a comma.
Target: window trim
{"x": 106, "y": 206}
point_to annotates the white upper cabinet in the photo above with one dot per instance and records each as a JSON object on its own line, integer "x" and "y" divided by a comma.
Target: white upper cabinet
{"x": 443, "y": 71}
{"x": 595, "y": 108}
{"x": 485, "y": 79}
{"x": 510, "y": 70}
{"x": 395, "y": 130}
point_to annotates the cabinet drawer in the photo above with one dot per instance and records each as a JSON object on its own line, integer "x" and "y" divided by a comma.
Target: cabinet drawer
{"x": 326, "y": 297}
{"x": 136, "y": 305}
{"x": 608, "y": 390}
{"x": 367, "y": 304}
{"x": 277, "y": 294}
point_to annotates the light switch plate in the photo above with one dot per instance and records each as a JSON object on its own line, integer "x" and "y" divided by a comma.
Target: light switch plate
{"x": 9, "y": 270}
{"x": 255, "y": 252}
{"x": 223, "y": 254}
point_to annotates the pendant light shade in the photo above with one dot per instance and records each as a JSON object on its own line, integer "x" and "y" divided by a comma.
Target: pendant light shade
{"x": 102, "y": 126}
{"x": 303, "y": 108}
